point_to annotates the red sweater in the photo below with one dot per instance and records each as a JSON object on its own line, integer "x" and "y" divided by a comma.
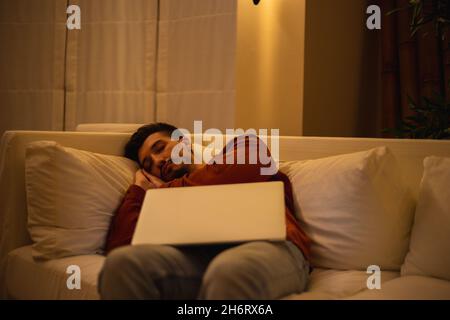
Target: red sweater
{"x": 124, "y": 221}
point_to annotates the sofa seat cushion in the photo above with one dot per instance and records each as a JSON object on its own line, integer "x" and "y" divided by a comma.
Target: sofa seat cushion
{"x": 409, "y": 288}
{"x": 28, "y": 279}
{"x": 326, "y": 284}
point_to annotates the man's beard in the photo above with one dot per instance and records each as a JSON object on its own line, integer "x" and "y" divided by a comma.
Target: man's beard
{"x": 175, "y": 172}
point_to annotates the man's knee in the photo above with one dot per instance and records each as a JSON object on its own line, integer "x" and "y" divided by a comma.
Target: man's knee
{"x": 230, "y": 276}
{"x": 125, "y": 272}
{"x": 117, "y": 262}
{"x": 118, "y": 259}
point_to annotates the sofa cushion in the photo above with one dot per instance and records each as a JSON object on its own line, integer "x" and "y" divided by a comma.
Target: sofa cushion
{"x": 408, "y": 288}
{"x": 429, "y": 251}
{"x": 30, "y": 279}
{"x": 71, "y": 197}
{"x": 355, "y": 209}
{"x": 327, "y": 284}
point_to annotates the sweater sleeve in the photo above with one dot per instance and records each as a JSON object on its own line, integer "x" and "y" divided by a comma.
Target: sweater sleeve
{"x": 124, "y": 221}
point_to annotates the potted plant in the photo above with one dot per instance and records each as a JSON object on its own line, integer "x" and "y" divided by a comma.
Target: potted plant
{"x": 431, "y": 115}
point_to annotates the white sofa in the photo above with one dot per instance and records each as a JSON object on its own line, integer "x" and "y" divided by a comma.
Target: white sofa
{"x": 23, "y": 278}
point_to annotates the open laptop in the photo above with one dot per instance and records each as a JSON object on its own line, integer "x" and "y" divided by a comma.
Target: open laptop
{"x": 229, "y": 213}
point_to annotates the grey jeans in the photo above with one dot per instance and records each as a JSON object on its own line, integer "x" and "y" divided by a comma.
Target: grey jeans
{"x": 254, "y": 270}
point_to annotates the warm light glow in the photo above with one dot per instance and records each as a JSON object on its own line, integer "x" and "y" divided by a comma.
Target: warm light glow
{"x": 270, "y": 55}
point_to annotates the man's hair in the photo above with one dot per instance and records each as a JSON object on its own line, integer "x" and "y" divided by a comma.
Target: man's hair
{"x": 137, "y": 139}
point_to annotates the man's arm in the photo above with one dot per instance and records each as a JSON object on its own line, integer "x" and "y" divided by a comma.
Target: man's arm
{"x": 124, "y": 221}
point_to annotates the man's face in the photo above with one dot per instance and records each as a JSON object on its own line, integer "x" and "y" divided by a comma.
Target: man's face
{"x": 155, "y": 157}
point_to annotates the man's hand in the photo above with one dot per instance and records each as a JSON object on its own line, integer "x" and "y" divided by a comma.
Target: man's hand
{"x": 157, "y": 182}
{"x": 146, "y": 181}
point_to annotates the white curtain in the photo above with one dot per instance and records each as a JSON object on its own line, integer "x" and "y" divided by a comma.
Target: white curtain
{"x": 110, "y": 63}
{"x": 32, "y": 49}
{"x": 133, "y": 61}
{"x": 123, "y": 54}
{"x": 196, "y": 62}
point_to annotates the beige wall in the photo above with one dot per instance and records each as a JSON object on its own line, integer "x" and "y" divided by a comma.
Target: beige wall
{"x": 341, "y": 70}
{"x": 270, "y": 65}
{"x": 314, "y": 76}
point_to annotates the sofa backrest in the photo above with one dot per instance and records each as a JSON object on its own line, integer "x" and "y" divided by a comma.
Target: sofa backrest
{"x": 13, "y": 208}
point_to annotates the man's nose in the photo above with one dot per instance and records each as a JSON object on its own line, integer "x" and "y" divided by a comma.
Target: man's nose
{"x": 159, "y": 160}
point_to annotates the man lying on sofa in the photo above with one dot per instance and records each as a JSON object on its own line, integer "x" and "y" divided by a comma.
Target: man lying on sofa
{"x": 254, "y": 270}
